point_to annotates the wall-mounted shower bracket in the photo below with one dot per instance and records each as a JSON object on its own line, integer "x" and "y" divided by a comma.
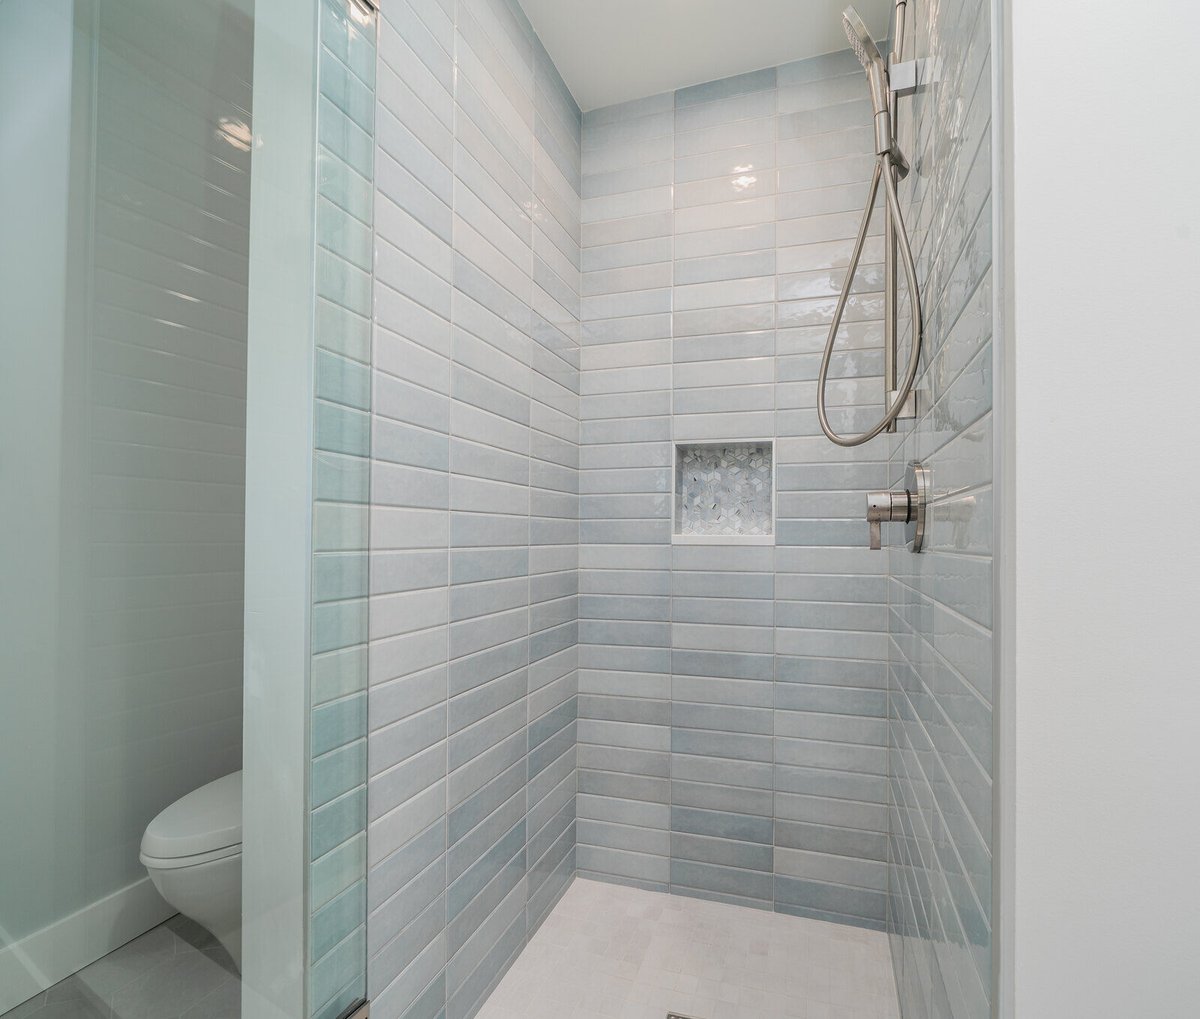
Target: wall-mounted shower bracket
{"x": 908, "y": 409}
{"x": 906, "y": 76}
{"x": 907, "y": 507}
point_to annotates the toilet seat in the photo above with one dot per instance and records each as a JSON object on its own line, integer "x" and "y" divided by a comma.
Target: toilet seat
{"x": 176, "y": 862}
{"x": 203, "y": 826}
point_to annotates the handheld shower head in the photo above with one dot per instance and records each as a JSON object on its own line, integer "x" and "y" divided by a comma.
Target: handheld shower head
{"x": 889, "y": 165}
{"x": 872, "y": 61}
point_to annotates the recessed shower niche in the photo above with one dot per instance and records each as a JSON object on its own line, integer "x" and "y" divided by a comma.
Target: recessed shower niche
{"x": 725, "y": 492}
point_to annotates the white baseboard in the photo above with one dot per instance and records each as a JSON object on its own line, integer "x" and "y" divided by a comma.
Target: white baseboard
{"x": 41, "y": 959}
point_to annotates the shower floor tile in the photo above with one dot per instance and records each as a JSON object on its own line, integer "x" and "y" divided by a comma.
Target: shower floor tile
{"x": 611, "y": 952}
{"x": 176, "y": 970}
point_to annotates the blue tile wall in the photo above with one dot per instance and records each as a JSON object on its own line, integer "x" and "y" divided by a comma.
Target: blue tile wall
{"x": 474, "y": 502}
{"x": 558, "y": 302}
{"x": 341, "y": 473}
{"x": 733, "y": 698}
{"x": 940, "y": 603}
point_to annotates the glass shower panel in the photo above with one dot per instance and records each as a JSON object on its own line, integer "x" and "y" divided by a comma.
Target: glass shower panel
{"x": 307, "y": 490}
{"x": 341, "y": 494}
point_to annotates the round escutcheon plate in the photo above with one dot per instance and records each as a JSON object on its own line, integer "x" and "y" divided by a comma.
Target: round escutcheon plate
{"x": 917, "y": 481}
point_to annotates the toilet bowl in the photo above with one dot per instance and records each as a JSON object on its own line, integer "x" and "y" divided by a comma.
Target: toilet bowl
{"x": 193, "y": 853}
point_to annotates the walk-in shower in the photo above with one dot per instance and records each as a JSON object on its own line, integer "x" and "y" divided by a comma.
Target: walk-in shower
{"x": 890, "y": 166}
{"x": 434, "y": 582}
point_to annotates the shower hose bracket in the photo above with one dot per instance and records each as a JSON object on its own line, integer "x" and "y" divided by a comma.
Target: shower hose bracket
{"x": 908, "y": 409}
{"x": 907, "y": 76}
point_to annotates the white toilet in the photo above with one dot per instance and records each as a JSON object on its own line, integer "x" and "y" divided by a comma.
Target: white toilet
{"x": 193, "y": 852}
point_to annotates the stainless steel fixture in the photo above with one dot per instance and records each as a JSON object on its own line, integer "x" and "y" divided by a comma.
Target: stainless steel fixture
{"x": 890, "y": 166}
{"x": 908, "y": 507}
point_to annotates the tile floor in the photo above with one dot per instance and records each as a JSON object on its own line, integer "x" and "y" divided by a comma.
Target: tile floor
{"x": 621, "y": 953}
{"x": 174, "y": 971}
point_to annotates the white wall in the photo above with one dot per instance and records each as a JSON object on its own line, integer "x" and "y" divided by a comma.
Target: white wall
{"x": 1106, "y": 252}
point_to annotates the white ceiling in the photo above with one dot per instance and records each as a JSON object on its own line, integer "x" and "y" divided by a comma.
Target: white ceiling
{"x": 611, "y": 51}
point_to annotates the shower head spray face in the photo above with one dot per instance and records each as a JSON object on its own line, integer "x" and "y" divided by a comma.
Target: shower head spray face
{"x": 872, "y": 61}
{"x": 860, "y": 39}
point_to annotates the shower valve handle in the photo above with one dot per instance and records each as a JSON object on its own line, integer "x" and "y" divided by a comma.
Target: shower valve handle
{"x": 885, "y": 507}
{"x": 907, "y": 507}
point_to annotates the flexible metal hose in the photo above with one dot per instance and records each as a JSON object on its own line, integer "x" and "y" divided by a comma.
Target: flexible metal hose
{"x": 884, "y": 169}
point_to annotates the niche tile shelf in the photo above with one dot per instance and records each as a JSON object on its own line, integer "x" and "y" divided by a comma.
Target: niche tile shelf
{"x": 725, "y": 493}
